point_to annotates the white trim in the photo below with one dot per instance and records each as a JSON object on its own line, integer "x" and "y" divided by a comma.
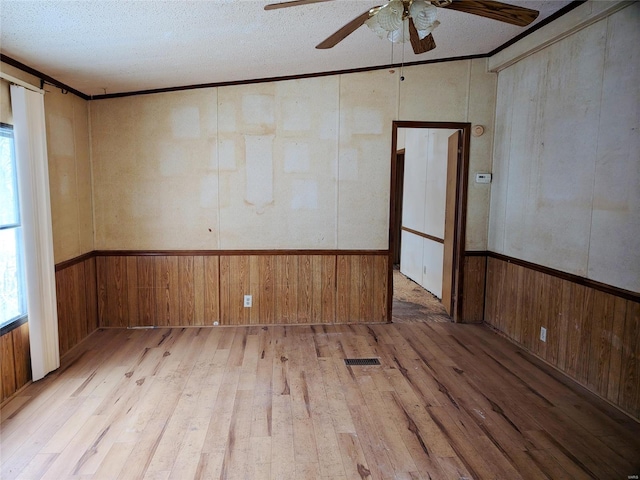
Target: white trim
{"x": 581, "y": 17}
{"x": 17, "y": 81}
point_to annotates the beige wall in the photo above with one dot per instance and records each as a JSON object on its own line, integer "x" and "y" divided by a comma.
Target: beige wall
{"x": 458, "y": 92}
{"x": 69, "y": 165}
{"x": 67, "y": 120}
{"x": 566, "y": 163}
{"x": 5, "y": 95}
{"x": 301, "y": 164}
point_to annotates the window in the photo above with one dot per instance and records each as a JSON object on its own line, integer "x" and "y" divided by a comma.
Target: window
{"x": 12, "y": 286}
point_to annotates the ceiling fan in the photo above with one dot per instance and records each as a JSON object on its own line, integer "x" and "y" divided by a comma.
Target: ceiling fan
{"x": 388, "y": 20}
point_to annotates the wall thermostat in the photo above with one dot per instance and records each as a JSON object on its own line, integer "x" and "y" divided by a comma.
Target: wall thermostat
{"x": 477, "y": 131}
{"x": 483, "y": 178}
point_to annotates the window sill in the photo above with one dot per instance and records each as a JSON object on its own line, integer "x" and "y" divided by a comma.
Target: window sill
{"x": 13, "y": 324}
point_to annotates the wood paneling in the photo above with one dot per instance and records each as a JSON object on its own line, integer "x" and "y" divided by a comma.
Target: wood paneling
{"x": 15, "y": 362}
{"x": 8, "y": 366}
{"x": 91, "y": 293}
{"x": 167, "y": 290}
{"x": 285, "y": 289}
{"x": 158, "y": 290}
{"x": 630, "y": 365}
{"x": 21, "y": 355}
{"x": 132, "y": 293}
{"x": 593, "y": 335}
{"x": 361, "y": 288}
{"x": 76, "y": 302}
{"x": 177, "y": 289}
{"x": 286, "y": 296}
{"x": 190, "y": 289}
{"x": 113, "y": 299}
{"x": 184, "y": 290}
{"x": 234, "y": 285}
{"x": 77, "y": 306}
{"x": 473, "y": 289}
{"x": 145, "y": 291}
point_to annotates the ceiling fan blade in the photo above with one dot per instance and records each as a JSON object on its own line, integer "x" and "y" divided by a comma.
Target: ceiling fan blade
{"x": 345, "y": 31}
{"x": 420, "y": 46}
{"x": 292, "y": 3}
{"x": 496, "y": 10}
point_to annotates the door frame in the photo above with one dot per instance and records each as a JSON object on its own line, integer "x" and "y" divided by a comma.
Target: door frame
{"x": 462, "y": 182}
{"x": 398, "y": 161}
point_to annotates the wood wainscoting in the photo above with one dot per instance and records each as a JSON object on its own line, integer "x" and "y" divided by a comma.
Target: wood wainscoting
{"x": 593, "y": 330}
{"x": 77, "y": 300}
{"x": 199, "y": 288}
{"x": 77, "y": 319}
{"x": 473, "y": 286}
{"x": 15, "y": 361}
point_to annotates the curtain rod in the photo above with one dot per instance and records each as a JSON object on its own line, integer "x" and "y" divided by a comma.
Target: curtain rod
{"x": 22, "y": 83}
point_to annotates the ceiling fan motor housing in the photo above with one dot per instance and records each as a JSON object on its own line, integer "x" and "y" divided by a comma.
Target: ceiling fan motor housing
{"x": 414, "y": 20}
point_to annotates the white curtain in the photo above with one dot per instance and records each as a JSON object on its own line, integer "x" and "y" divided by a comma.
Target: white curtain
{"x": 33, "y": 184}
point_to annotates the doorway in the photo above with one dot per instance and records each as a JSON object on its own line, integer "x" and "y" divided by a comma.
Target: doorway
{"x": 450, "y": 245}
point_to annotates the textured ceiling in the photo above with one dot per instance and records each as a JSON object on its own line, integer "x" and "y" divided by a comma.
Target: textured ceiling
{"x": 119, "y": 46}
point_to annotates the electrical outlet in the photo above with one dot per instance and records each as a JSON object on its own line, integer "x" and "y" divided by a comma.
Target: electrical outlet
{"x": 247, "y": 300}
{"x": 543, "y": 334}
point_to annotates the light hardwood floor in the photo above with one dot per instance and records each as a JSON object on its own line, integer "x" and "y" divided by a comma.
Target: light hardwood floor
{"x": 448, "y": 401}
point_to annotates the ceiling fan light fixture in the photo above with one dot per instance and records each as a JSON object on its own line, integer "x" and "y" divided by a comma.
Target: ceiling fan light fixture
{"x": 423, "y": 13}
{"x": 391, "y": 21}
{"x": 375, "y": 26}
{"x": 401, "y": 35}
{"x": 389, "y": 17}
{"x": 427, "y": 31}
